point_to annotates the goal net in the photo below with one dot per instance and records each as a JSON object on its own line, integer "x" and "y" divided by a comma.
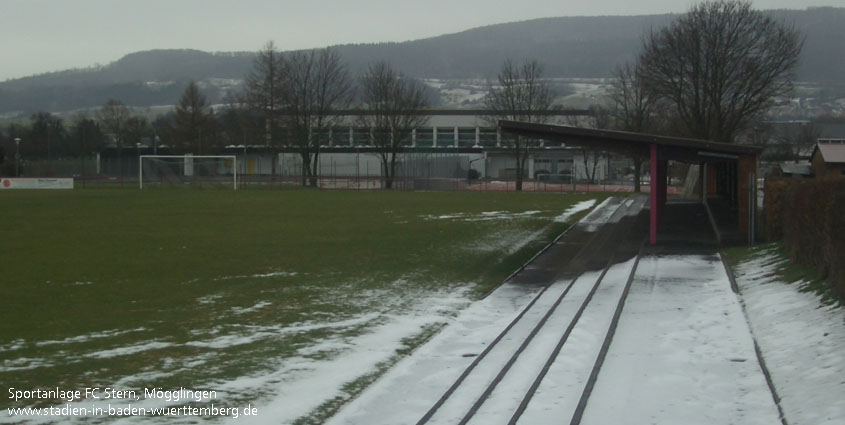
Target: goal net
{"x": 188, "y": 171}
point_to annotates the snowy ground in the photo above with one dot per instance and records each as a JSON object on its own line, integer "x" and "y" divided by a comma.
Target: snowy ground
{"x": 305, "y": 383}
{"x": 329, "y": 355}
{"x": 682, "y": 353}
{"x": 409, "y": 389}
{"x": 802, "y": 340}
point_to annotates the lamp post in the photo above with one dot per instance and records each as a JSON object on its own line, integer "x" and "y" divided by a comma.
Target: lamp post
{"x": 140, "y": 166}
{"x": 17, "y": 154}
{"x": 244, "y": 161}
{"x": 469, "y": 170}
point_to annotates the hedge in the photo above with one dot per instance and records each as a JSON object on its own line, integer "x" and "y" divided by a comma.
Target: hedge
{"x": 773, "y": 206}
{"x": 810, "y": 218}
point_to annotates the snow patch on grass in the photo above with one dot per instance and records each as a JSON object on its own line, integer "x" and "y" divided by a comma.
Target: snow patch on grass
{"x": 209, "y": 299}
{"x": 89, "y": 337}
{"x": 506, "y": 241}
{"x": 260, "y": 275}
{"x": 23, "y": 363}
{"x": 575, "y": 209}
{"x": 802, "y": 340}
{"x": 482, "y": 216}
{"x": 256, "y": 307}
{"x": 13, "y": 345}
{"x": 321, "y": 372}
{"x": 132, "y": 349}
{"x": 230, "y": 340}
{"x": 250, "y": 334}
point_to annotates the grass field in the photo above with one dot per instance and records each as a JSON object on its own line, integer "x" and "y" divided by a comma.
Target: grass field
{"x": 202, "y": 288}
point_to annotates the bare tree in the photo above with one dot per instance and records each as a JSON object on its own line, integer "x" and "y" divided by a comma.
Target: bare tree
{"x": 520, "y": 95}
{"x": 799, "y": 138}
{"x": 392, "y": 103}
{"x": 633, "y": 106}
{"x": 47, "y": 135}
{"x": 87, "y": 135}
{"x": 193, "y": 118}
{"x": 600, "y": 117}
{"x": 317, "y": 84}
{"x": 720, "y": 64}
{"x": 238, "y": 124}
{"x": 634, "y": 109}
{"x": 113, "y": 116}
{"x": 264, "y": 90}
{"x": 591, "y": 158}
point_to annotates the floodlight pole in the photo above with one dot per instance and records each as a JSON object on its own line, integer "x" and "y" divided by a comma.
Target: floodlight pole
{"x": 140, "y": 173}
{"x": 244, "y": 162}
{"x": 235, "y": 167}
{"x": 17, "y": 154}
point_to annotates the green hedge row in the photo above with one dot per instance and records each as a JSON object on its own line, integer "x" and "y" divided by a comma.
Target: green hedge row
{"x": 809, "y": 216}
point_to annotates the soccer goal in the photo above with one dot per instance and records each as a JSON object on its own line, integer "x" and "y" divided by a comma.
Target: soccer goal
{"x": 188, "y": 170}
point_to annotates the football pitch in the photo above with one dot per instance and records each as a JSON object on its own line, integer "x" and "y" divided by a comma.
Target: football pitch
{"x": 242, "y": 291}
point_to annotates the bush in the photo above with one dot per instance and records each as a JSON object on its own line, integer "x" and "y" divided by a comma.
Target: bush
{"x": 809, "y": 216}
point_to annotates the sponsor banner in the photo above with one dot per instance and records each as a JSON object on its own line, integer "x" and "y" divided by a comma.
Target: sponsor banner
{"x": 35, "y": 183}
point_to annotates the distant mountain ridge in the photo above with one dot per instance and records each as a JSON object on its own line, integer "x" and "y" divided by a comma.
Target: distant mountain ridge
{"x": 588, "y": 47}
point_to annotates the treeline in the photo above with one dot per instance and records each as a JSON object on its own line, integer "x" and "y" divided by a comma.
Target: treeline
{"x": 190, "y": 127}
{"x": 296, "y": 99}
{"x": 291, "y": 100}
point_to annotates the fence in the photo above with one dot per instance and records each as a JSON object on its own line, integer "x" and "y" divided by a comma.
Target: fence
{"x": 349, "y": 171}
{"x": 439, "y": 184}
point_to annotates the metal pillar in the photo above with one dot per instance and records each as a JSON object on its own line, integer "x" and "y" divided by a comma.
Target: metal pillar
{"x": 663, "y": 173}
{"x": 652, "y": 228}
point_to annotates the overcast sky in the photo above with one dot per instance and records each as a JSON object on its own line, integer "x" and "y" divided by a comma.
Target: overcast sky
{"x": 39, "y": 36}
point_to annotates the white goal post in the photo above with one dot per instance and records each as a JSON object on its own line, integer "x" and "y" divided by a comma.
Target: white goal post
{"x": 188, "y": 168}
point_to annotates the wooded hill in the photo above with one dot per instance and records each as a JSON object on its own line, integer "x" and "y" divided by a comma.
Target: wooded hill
{"x": 586, "y": 47}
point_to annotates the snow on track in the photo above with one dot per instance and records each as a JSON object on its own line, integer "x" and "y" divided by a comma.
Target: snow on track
{"x": 475, "y": 384}
{"x": 407, "y": 391}
{"x": 574, "y": 361}
{"x": 452, "y": 366}
{"x": 683, "y": 352}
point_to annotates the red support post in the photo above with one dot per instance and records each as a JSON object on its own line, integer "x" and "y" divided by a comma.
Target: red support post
{"x": 654, "y": 188}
